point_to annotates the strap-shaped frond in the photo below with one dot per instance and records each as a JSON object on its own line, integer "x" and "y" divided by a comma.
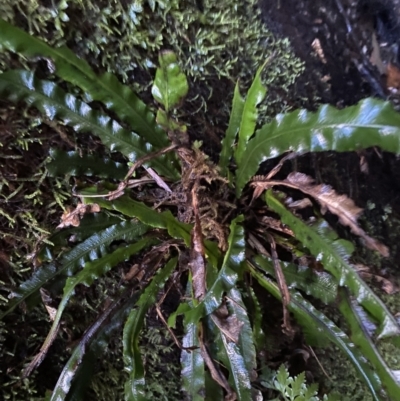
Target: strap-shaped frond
{"x": 320, "y": 285}
{"x": 89, "y": 250}
{"x": 105, "y": 88}
{"x": 317, "y": 325}
{"x": 233, "y": 357}
{"x": 371, "y": 122}
{"x": 361, "y": 338}
{"x": 329, "y": 254}
{"x": 232, "y": 131}
{"x": 193, "y": 373}
{"x": 254, "y": 97}
{"x": 53, "y": 102}
{"x": 151, "y": 217}
{"x": 76, "y": 373}
{"x": 91, "y": 271}
{"x": 90, "y": 224}
{"x": 227, "y": 276}
{"x": 134, "y": 387}
{"x": 74, "y": 164}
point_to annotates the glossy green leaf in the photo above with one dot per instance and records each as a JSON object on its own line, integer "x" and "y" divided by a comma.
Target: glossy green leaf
{"x": 53, "y": 102}
{"x": 91, "y": 249}
{"x": 232, "y": 358}
{"x": 343, "y": 247}
{"x": 213, "y": 389}
{"x": 91, "y": 271}
{"x": 331, "y": 257}
{"x": 134, "y": 387}
{"x": 257, "y": 319}
{"x": 74, "y": 164}
{"x": 192, "y": 362}
{"x": 193, "y": 374}
{"x": 182, "y": 308}
{"x": 148, "y": 216}
{"x": 231, "y": 133}
{"x": 105, "y": 88}
{"x": 362, "y": 340}
{"x": 369, "y": 123}
{"x": 90, "y": 224}
{"x": 170, "y": 85}
{"x": 246, "y": 345}
{"x": 93, "y": 342}
{"x": 320, "y": 285}
{"x": 145, "y": 214}
{"x": 254, "y": 97}
{"x": 316, "y": 325}
{"x": 82, "y": 378}
{"x": 227, "y": 276}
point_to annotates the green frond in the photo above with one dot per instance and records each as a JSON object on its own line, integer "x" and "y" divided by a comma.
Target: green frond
{"x": 105, "y": 88}
{"x": 246, "y": 342}
{"x": 73, "y": 164}
{"x": 232, "y": 357}
{"x": 131, "y": 208}
{"x": 257, "y": 320}
{"x": 317, "y": 328}
{"x": 227, "y": 276}
{"x": 91, "y": 249}
{"x": 363, "y": 341}
{"x": 80, "y": 366}
{"x": 320, "y": 285}
{"x": 90, "y": 272}
{"x": 170, "y": 84}
{"x": 333, "y": 261}
{"x": 193, "y": 373}
{"x": 295, "y": 388}
{"x": 90, "y": 224}
{"x": 53, "y": 102}
{"x": 135, "y": 386}
{"x": 370, "y": 123}
{"x": 232, "y": 131}
{"x": 254, "y": 97}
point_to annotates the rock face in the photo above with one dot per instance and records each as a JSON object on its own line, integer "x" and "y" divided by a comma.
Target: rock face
{"x": 386, "y": 17}
{"x": 337, "y": 40}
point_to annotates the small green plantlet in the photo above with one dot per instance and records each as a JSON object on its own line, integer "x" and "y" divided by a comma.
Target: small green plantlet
{"x": 180, "y": 221}
{"x": 294, "y": 388}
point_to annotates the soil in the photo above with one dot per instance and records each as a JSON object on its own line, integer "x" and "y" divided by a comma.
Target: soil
{"x": 333, "y": 38}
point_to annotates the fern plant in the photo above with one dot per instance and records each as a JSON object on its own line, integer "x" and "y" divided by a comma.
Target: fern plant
{"x": 188, "y": 223}
{"x": 293, "y": 388}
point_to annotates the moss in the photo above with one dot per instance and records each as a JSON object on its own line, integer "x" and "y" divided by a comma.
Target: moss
{"x": 225, "y": 39}
{"x": 162, "y": 370}
{"x": 216, "y": 43}
{"x": 342, "y": 377}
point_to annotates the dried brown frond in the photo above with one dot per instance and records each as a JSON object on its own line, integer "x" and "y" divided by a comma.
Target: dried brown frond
{"x": 340, "y": 205}
{"x": 73, "y": 217}
{"x": 197, "y": 254}
{"x": 229, "y": 325}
